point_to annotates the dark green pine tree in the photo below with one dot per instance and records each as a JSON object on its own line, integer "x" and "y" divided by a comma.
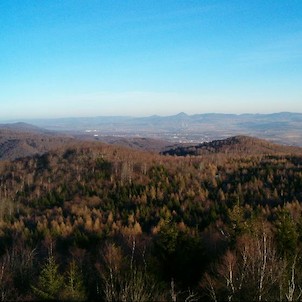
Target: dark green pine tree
{"x": 50, "y": 282}
{"x": 286, "y": 234}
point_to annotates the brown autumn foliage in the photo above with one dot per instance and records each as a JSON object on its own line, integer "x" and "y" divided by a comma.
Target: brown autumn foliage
{"x": 192, "y": 219}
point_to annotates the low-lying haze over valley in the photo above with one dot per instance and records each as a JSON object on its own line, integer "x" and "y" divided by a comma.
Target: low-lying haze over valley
{"x": 283, "y": 127}
{"x": 158, "y": 134}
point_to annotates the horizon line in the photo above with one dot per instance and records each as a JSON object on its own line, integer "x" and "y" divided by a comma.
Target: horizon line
{"x": 16, "y": 120}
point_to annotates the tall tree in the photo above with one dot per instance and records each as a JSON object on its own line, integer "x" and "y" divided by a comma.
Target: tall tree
{"x": 50, "y": 282}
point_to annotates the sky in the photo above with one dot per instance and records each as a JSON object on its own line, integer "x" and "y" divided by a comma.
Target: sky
{"x": 102, "y": 57}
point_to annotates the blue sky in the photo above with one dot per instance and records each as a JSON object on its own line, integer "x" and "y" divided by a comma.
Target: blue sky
{"x": 97, "y": 57}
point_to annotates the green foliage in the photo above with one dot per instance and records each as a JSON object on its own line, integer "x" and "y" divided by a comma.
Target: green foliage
{"x": 69, "y": 153}
{"x": 49, "y": 200}
{"x": 104, "y": 167}
{"x": 286, "y": 234}
{"x": 181, "y": 255}
{"x": 50, "y": 281}
{"x": 238, "y": 221}
{"x": 43, "y": 162}
{"x": 74, "y": 286}
{"x": 166, "y": 241}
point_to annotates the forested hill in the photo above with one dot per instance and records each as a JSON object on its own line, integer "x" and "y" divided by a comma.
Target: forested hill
{"x": 233, "y": 145}
{"x": 98, "y": 222}
{"x": 20, "y": 140}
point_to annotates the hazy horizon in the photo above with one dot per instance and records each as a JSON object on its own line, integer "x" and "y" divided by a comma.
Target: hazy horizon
{"x": 29, "y": 120}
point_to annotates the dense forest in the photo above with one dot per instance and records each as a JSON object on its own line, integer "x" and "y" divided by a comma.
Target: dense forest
{"x": 105, "y": 223}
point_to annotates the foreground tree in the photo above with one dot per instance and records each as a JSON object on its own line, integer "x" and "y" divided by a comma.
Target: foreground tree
{"x": 124, "y": 280}
{"x": 74, "y": 289}
{"x": 50, "y": 282}
{"x": 255, "y": 271}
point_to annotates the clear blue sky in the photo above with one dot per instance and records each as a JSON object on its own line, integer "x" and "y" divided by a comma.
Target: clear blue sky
{"x": 144, "y": 57}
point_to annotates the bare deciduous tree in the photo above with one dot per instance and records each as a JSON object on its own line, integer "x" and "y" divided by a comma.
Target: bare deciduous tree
{"x": 124, "y": 280}
{"x": 252, "y": 271}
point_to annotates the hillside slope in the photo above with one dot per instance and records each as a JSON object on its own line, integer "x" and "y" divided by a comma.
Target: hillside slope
{"x": 20, "y": 140}
{"x": 233, "y": 145}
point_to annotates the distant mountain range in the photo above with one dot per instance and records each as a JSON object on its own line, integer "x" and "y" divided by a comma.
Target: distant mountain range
{"x": 283, "y": 127}
{"x": 179, "y": 134}
{"x": 21, "y": 139}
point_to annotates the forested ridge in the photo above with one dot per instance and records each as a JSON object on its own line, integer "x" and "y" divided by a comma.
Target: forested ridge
{"x": 105, "y": 223}
{"x": 235, "y": 144}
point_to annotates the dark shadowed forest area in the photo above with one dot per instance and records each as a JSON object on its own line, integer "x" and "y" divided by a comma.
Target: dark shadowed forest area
{"x": 94, "y": 222}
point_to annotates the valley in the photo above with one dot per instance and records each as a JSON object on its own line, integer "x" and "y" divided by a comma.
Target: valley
{"x": 282, "y": 128}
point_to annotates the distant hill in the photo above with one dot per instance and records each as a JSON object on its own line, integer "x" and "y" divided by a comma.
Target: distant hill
{"x": 20, "y": 140}
{"x": 23, "y": 139}
{"x": 138, "y": 143}
{"x": 24, "y": 127}
{"x": 233, "y": 145}
{"x": 283, "y": 127}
